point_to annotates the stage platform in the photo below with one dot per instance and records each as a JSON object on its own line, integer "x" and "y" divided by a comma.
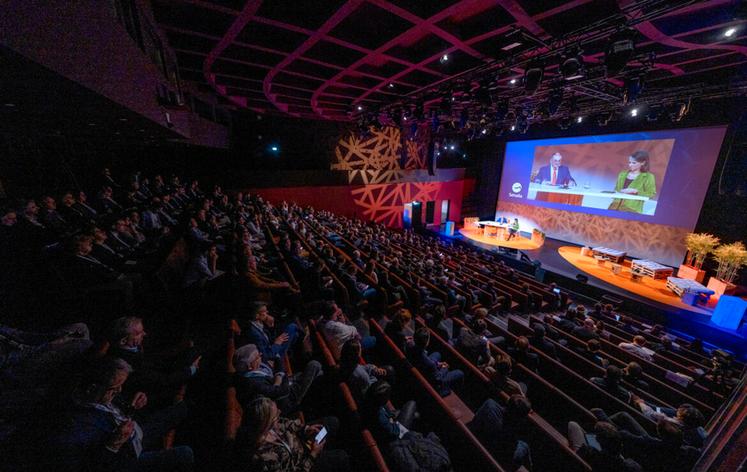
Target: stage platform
{"x": 647, "y": 287}
{"x": 519, "y": 242}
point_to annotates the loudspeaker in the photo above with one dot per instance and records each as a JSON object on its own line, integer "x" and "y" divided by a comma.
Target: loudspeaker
{"x": 582, "y": 278}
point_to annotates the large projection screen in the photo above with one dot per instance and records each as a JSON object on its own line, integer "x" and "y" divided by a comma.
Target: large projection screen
{"x": 638, "y": 191}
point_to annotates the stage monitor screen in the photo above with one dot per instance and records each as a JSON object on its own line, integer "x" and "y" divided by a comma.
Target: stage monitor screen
{"x": 657, "y": 177}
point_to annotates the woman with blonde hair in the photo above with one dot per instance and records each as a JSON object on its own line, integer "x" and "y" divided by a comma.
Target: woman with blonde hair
{"x": 270, "y": 443}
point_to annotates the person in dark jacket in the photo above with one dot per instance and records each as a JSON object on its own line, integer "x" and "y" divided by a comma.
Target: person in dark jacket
{"x": 501, "y": 429}
{"x": 155, "y": 378}
{"x": 254, "y": 378}
{"x": 100, "y": 432}
{"x": 602, "y": 449}
{"x": 431, "y": 366}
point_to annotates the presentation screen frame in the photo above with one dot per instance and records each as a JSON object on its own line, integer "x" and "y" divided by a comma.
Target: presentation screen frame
{"x": 682, "y": 163}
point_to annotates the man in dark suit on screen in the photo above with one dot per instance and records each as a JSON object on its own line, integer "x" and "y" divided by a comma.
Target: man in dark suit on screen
{"x": 555, "y": 173}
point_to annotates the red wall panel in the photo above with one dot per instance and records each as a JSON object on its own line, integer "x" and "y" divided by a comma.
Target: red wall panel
{"x": 382, "y": 203}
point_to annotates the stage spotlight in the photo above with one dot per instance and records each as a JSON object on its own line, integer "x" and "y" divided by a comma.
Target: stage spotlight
{"x": 619, "y": 51}
{"x": 444, "y": 59}
{"x": 533, "y": 76}
{"x": 571, "y": 66}
{"x": 633, "y": 88}
{"x": 730, "y": 32}
{"x": 634, "y": 112}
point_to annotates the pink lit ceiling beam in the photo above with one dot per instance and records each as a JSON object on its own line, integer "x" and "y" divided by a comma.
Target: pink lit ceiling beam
{"x": 419, "y": 30}
{"x": 517, "y": 11}
{"x": 249, "y": 10}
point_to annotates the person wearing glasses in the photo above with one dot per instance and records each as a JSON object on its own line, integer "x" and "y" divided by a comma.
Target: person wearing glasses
{"x": 102, "y": 431}
{"x": 268, "y": 442}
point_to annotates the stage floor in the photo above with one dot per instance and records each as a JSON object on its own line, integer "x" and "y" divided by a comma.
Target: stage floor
{"x": 520, "y": 242}
{"x": 647, "y": 287}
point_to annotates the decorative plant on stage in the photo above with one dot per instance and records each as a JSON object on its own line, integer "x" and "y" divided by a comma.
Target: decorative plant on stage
{"x": 699, "y": 245}
{"x": 730, "y": 258}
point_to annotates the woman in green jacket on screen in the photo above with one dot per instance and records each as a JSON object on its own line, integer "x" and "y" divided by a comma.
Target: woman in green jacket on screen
{"x": 636, "y": 180}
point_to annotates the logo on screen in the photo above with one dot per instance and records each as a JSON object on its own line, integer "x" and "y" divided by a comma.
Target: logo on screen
{"x": 516, "y": 188}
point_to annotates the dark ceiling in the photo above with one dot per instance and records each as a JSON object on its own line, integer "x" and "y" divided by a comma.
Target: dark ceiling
{"x": 332, "y": 59}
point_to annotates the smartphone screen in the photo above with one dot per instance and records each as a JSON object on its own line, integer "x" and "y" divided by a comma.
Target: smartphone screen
{"x": 320, "y": 435}
{"x": 658, "y": 409}
{"x": 617, "y": 317}
{"x": 556, "y": 290}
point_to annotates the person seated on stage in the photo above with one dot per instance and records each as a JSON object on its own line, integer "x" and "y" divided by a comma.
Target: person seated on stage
{"x": 555, "y": 173}
{"x": 638, "y": 347}
{"x": 513, "y": 230}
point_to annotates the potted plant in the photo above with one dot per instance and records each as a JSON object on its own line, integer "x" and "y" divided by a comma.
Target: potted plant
{"x": 699, "y": 245}
{"x": 730, "y": 258}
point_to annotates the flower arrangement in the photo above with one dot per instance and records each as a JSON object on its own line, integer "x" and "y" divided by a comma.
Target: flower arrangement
{"x": 699, "y": 245}
{"x": 730, "y": 258}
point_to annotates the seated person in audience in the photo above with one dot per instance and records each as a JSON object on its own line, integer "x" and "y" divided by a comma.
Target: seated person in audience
{"x": 337, "y": 331}
{"x": 696, "y": 346}
{"x": 474, "y": 346}
{"x": 386, "y": 423}
{"x": 602, "y": 449}
{"x": 260, "y": 286}
{"x": 664, "y": 452}
{"x": 197, "y": 236}
{"x": 638, "y": 348}
{"x": 256, "y": 329}
{"x": 121, "y": 239}
{"x": 499, "y": 429}
{"x": 586, "y": 331}
{"x": 82, "y": 206}
{"x": 70, "y": 213}
{"x": 105, "y": 252}
{"x": 568, "y": 322}
{"x": 30, "y": 359}
{"x": 665, "y": 344}
{"x": 396, "y": 329}
{"x": 481, "y": 314}
{"x": 500, "y": 374}
{"x": 438, "y": 322}
{"x": 52, "y": 219}
{"x": 593, "y": 352}
{"x": 357, "y": 319}
{"x": 153, "y": 374}
{"x": 431, "y": 366}
{"x": 550, "y": 331}
{"x": 360, "y": 377}
{"x": 626, "y": 324}
{"x": 268, "y": 442}
{"x": 611, "y": 383}
{"x": 202, "y": 268}
{"x": 106, "y": 202}
{"x": 254, "y": 378}
{"x": 102, "y": 431}
{"x": 633, "y": 375}
{"x": 361, "y": 289}
{"x": 89, "y": 273}
{"x": 521, "y": 353}
{"x": 538, "y": 341}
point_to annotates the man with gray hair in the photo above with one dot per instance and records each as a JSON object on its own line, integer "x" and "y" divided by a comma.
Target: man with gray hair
{"x": 555, "y": 173}
{"x": 161, "y": 377}
{"x": 103, "y": 431}
{"x": 255, "y": 378}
